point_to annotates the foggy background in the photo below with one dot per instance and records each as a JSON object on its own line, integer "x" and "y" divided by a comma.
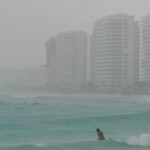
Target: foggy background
{"x": 25, "y": 25}
{"x": 34, "y": 51}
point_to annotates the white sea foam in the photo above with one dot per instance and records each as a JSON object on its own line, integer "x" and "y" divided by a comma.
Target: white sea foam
{"x": 39, "y": 145}
{"x": 142, "y": 140}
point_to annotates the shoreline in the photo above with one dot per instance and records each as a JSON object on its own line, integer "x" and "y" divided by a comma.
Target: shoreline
{"x": 34, "y": 94}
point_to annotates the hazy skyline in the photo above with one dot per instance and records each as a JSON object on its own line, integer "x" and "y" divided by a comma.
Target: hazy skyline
{"x": 27, "y": 24}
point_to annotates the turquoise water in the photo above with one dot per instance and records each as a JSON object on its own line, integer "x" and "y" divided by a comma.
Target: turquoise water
{"x": 70, "y": 122}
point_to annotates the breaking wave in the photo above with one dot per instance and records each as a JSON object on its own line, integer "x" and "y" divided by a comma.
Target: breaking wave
{"x": 141, "y": 140}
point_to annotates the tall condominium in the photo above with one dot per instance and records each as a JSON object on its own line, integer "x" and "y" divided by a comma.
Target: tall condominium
{"x": 71, "y": 59}
{"x": 145, "y": 48}
{"x": 51, "y": 50}
{"x": 115, "y": 51}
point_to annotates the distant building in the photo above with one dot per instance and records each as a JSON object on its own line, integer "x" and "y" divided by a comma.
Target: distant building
{"x": 28, "y": 77}
{"x": 10, "y": 76}
{"x": 51, "y": 50}
{"x": 35, "y": 76}
{"x": 115, "y": 51}
{"x": 145, "y": 53}
{"x": 88, "y": 57}
{"x": 71, "y": 59}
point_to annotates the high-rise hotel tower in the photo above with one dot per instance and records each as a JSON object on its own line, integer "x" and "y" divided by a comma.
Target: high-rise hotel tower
{"x": 67, "y": 59}
{"x": 115, "y": 51}
{"x": 51, "y": 50}
{"x": 145, "y": 69}
{"x": 71, "y": 59}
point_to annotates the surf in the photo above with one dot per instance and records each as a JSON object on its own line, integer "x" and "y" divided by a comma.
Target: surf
{"x": 141, "y": 140}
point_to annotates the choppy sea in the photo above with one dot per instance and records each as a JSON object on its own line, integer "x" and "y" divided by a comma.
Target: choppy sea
{"x": 70, "y": 122}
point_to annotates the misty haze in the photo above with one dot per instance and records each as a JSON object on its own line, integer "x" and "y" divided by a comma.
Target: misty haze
{"x": 74, "y": 46}
{"x": 74, "y": 74}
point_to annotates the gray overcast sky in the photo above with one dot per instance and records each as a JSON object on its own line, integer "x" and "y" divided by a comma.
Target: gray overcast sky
{"x": 25, "y": 25}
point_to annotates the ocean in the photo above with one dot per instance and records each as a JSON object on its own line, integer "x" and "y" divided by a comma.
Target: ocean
{"x": 70, "y": 122}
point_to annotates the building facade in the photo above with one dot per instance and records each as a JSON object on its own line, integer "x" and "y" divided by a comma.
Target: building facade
{"x": 115, "y": 51}
{"x": 71, "y": 59}
{"x": 51, "y": 50}
{"x": 27, "y": 77}
{"x": 145, "y": 49}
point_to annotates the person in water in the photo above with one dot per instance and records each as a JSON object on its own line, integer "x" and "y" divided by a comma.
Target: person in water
{"x": 100, "y": 134}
